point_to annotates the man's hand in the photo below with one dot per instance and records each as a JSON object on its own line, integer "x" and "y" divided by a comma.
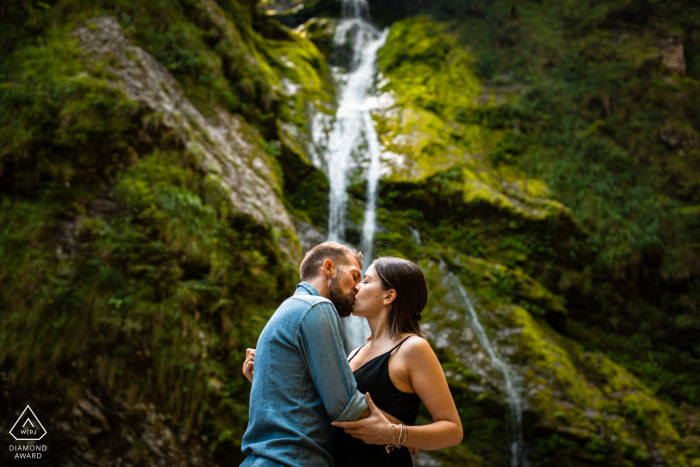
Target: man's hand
{"x": 375, "y": 429}
{"x": 249, "y": 364}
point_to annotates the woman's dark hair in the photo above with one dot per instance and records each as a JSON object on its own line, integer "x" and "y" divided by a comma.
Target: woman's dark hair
{"x": 408, "y": 281}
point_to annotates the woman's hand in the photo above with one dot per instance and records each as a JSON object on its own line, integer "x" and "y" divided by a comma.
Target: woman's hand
{"x": 249, "y": 364}
{"x": 375, "y": 429}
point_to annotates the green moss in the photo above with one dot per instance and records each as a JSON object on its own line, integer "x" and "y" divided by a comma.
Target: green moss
{"x": 549, "y": 159}
{"x": 431, "y": 80}
{"x": 117, "y": 246}
{"x": 581, "y": 407}
{"x": 558, "y": 112}
{"x": 308, "y": 91}
{"x": 320, "y": 31}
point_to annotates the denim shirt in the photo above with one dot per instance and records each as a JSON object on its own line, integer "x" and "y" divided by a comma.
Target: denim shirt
{"x": 302, "y": 382}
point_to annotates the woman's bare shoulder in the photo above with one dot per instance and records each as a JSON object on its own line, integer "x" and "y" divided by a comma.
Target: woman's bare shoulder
{"x": 419, "y": 358}
{"x": 417, "y": 346}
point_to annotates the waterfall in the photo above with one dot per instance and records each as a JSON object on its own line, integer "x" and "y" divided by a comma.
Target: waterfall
{"x": 415, "y": 235}
{"x": 353, "y": 118}
{"x": 373, "y": 174}
{"x": 355, "y": 8}
{"x": 515, "y": 409}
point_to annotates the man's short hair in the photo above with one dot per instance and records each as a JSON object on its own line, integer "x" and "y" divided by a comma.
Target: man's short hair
{"x": 338, "y": 253}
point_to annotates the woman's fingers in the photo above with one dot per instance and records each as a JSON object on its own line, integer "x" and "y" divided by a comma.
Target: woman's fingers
{"x": 249, "y": 360}
{"x": 249, "y": 357}
{"x": 370, "y": 403}
{"x": 345, "y": 424}
{"x": 249, "y": 369}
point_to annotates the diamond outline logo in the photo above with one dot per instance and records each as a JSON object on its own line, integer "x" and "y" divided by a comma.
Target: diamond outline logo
{"x": 20, "y": 418}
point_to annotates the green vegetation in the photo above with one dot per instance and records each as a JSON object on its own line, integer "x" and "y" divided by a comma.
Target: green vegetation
{"x": 598, "y": 115}
{"x": 548, "y": 154}
{"x": 118, "y": 245}
{"x": 569, "y": 186}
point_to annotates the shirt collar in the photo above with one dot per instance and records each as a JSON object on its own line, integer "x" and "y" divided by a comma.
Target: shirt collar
{"x": 310, "y": 289}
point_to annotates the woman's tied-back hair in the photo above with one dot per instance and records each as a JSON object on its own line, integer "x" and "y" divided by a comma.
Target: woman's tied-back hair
{"x": 408, "y": 281}
{"x": 336, "y": 252}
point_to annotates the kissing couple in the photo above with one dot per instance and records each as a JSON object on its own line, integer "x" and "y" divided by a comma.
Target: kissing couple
{"x": 311, "y": 405}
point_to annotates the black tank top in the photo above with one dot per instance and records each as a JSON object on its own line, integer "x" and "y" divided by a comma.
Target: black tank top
{"x": 373, "y": 377}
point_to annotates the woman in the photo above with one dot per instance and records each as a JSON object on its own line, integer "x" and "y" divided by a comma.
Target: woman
{"x": 398, "y": 369}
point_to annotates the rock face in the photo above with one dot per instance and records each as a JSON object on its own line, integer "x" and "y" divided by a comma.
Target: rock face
{"x": 150, "y": 266}
{"x": 221, "y": 143}
{"x": 103, "y": 430}
{"x": 566, "y": 391}
{"x": 446, "y": 168}
{"x": 673, "y": 56}
{"x": 166, "y": 209}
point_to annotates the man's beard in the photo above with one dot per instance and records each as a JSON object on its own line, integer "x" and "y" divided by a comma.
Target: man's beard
{"x": 343, "y": 303}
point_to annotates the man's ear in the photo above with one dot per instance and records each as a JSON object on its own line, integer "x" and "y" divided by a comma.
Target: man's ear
{"x": 329, "y": 268}
{"x": 388, "y": 297}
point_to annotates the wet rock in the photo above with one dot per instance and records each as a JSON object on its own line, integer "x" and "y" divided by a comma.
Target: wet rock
{"x": 565, "y": 391}
{"x": 101, "y": 429}
{"x": 308, "y": 235}
{"x": 673, "y": 56}
{"x": 679, "y": 136}
{"x": 223, "y": 144}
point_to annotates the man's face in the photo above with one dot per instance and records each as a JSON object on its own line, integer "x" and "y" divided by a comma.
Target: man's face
{"x": 343, "y": 287}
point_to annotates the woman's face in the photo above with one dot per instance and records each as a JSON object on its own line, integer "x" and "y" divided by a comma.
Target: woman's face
{"x": 368, "y": 300}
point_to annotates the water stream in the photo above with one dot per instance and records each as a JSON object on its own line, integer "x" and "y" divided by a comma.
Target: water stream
{"x": 353, "y": 126}
{"x": 513, "y": 399}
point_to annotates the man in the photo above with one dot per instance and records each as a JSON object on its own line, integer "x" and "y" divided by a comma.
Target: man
{"x": 302, "y": 379}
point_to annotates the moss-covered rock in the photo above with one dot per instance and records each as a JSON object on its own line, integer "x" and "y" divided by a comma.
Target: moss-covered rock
{"x": 468, "y": 195}
{"x": 141, "y": 189}
{"x": 157, "y": 163}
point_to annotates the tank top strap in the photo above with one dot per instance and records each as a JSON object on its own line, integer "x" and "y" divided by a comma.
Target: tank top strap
{"x": 399, "y": 345}
{"x": 355, "y": 354}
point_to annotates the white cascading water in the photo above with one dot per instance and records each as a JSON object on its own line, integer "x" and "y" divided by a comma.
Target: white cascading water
{"x": 352, "y": 119}
{"x": 353, "y": 116}
{"x": 515, "y": 405}
{"x": 355, "y": 9}
{"x": 373, "y": 174}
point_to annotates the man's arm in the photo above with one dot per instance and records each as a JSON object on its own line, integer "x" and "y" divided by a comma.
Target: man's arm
{"x": 249, "y": 370}
{"x": 321, "y": 347}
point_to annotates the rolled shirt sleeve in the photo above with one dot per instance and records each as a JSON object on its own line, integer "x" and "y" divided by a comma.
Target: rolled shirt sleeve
{"x": 321, "y": 347}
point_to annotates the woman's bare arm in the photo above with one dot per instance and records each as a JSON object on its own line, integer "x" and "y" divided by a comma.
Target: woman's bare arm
{"x": 428, "y": 381}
